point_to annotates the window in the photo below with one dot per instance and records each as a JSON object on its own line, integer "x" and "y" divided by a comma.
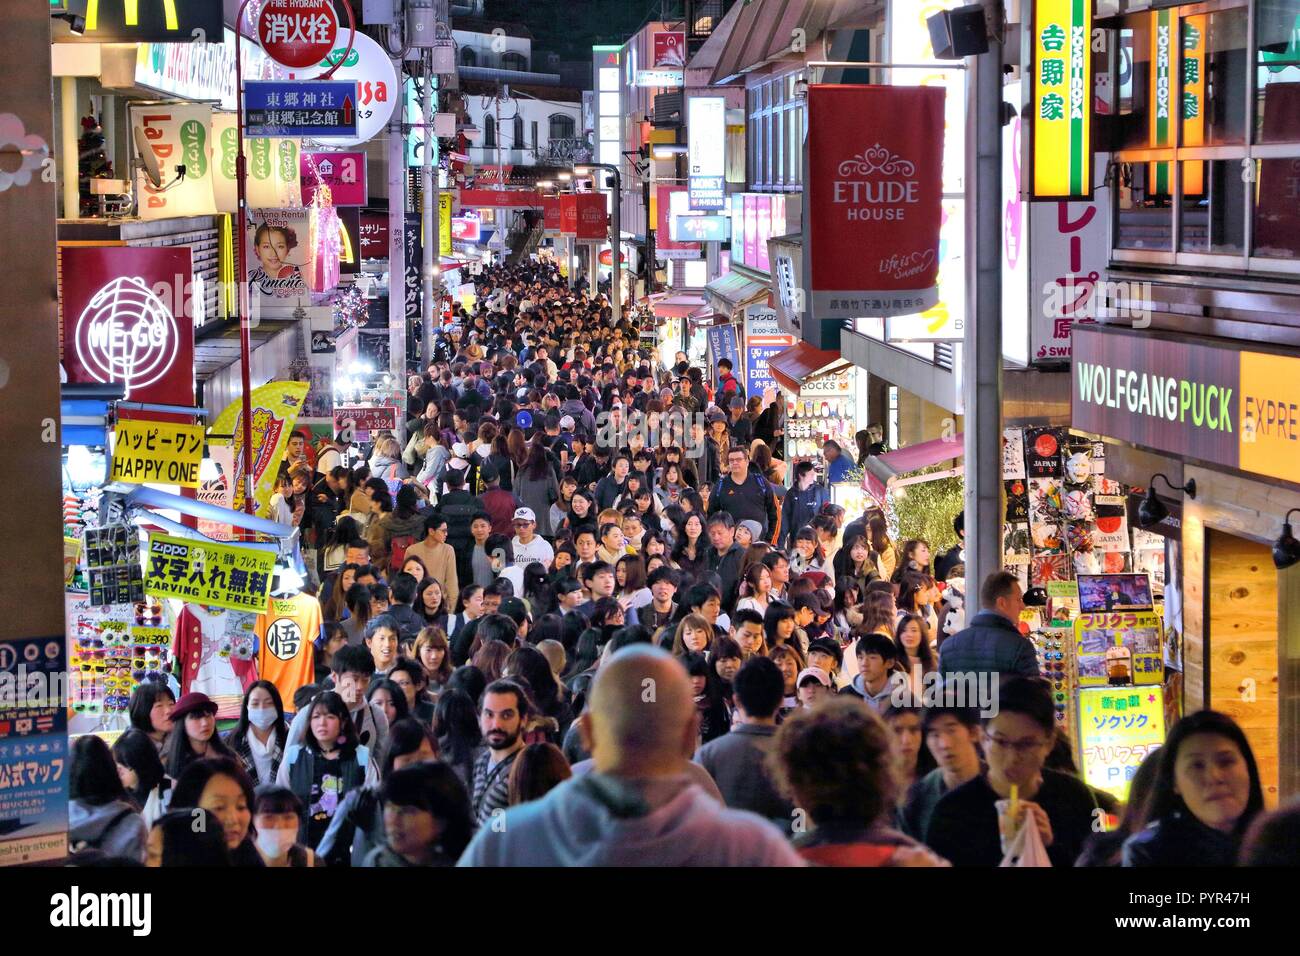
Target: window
{"x": 534, "y": 136}
{"x": 1204, "y": 165}
{"x": 489, "y": 132}
{"x": 468, "y": 57}
{"x": 775, "y": 135}
{"x": 562, "y": 126}
{"x": 513, "y": 60}
{"x": 518, "y": 133}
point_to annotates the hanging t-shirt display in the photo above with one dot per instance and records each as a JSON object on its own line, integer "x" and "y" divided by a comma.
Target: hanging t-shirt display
{"x": 216, "y": 648}
{"x": 287, "y": 655}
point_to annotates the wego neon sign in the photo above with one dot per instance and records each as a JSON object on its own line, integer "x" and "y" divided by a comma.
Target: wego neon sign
{"x": 126, "y": 335}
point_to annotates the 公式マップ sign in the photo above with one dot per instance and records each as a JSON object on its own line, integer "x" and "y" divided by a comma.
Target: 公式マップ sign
{"x": 160, "y": 452}
{"x": 206, "y": 573}
{"x": 1219, "y": 405}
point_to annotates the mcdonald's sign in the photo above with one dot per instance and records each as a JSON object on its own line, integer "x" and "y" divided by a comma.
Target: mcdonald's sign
{"x": 154, "y": 21}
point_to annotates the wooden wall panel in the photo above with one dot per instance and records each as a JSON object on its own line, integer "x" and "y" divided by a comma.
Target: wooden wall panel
{"x": 1242, "y": 648}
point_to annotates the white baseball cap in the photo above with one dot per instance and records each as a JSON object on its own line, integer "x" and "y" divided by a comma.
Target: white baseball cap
{"x": 816, "y": 673}
{"x": 525, "y": 514}
{"x": 567, "y": 423}
{"x": 460, "y": 450}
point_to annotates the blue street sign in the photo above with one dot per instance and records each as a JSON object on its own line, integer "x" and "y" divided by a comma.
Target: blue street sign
{"x": 300, "y": 108}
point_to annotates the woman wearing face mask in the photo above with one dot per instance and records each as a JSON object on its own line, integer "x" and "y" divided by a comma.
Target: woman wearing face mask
{"x": 1207, "y": 793}
{"x": 275, "y": 818}
{"x": 220, "y": 786}
{"x": 258, "y": 739}
{"x": 195, "y": 735}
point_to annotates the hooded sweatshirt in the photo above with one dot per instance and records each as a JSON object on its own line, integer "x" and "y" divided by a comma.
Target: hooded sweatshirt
{"x": 115, "y": 828}
{"x": 599, "y": 820}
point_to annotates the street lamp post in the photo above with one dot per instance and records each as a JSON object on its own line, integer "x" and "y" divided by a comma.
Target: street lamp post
{"x": 615, "y": 236}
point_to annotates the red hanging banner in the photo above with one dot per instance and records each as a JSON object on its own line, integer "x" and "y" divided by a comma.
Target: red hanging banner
{"x": 875, "y": 199}
{"x": 551, "y": 213}
{"x": 569, "y": 214}
{"x": 592, "y": 216}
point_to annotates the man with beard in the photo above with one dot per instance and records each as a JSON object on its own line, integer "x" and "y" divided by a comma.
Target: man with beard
{"x": 501, "y": 718}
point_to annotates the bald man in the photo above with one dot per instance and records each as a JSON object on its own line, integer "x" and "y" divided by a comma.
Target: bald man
{"x": 639, "y": 806}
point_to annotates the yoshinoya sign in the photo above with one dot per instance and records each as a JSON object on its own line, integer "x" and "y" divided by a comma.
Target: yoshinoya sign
{"x": 1062, "y": 101}
{"x": 875, "y": 199}
{"x": 1221, "y": 406}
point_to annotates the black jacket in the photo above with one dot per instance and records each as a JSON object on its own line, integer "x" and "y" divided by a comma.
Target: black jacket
{"x": 989, "y": 643}
{"x": 728, "y": 567}
{"x": 1180, "y": 840}
{"x": 754, "y": 500}
{"x": 798, "y": 510}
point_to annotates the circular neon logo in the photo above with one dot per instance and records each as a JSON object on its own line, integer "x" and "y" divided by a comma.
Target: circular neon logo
{"x": 126, "y": 335}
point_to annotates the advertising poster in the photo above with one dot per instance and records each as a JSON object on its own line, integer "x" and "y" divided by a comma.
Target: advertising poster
{"x": 176, "y": 135}
{"x": 1043, "y": 452}
{"x": 160, "y": 452}
{"x": 218, "y": 490}
{"x": 320, "y": 396}
{"x": 1118, "y": 727}
{"x": 276, "y": 406}
{"x": 274, "y": 174}
{"x": 875, "y": 199}
{"x": 223, "y": 575}
{"x": 128, "y": 315}
{"x": 1098, "y": 636}
{"x": 343, "y": 174}
{"x": 34, "y": 760}
{"x": 722, "y": 344}
{"x": 280, "y": 253}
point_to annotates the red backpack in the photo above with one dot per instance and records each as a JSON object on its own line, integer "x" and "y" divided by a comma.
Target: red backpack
{"x": 397, "y": 551}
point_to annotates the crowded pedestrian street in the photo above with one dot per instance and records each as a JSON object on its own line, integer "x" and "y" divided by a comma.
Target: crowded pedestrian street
{"x": 788, "y": 433}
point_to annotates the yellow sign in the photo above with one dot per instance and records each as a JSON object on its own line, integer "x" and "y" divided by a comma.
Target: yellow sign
{"x": 1100, "y": 639}
{"x": 1194, "y": 36}
{"x": 164, "y": 453}
{"x": 276, "y": 406}
{"x": 1118, "y": 727}
{"x": 71, "y": 557}
{"x": 1270, "y": 414}
{"x": 1062, "y": 99}
{"x": 224, "y": 575}
{"x": 444, "y": 224}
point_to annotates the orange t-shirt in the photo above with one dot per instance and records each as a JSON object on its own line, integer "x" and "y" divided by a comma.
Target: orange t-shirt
{"x": 286, "y": 654}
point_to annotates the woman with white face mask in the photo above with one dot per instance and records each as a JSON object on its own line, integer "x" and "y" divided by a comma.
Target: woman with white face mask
{"x": 258, "y": 740}
{"x": 276, "y": 812}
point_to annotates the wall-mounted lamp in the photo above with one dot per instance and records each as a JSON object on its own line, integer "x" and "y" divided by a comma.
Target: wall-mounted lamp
{"x": 1152, "y": 510}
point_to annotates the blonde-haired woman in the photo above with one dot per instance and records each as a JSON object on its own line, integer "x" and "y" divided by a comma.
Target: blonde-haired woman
{"x": 386, "y": 462}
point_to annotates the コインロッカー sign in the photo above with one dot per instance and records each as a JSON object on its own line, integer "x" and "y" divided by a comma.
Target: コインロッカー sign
{"x": 1219, "y": 405}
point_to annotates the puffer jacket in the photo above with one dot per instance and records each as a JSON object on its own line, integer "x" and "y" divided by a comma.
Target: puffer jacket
{"x": 989, "y": 642}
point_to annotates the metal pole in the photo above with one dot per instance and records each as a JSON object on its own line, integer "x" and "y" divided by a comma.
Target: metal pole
{"x": 71, "y": 149}
{"x": 616, "y": 246}
{"x": 432, "y": 207}
{"x": 982, "y": 343}
{"x": 241, "y": 277}
{"x": 397, "y": 241}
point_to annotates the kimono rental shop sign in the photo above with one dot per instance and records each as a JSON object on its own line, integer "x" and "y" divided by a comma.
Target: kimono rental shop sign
{"x": 207, "y": 573}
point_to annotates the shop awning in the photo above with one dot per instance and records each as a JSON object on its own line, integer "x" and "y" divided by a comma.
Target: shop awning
{"x": 801, "y": 363}
{"x": 734, "y": 291}
{"x": 705, "y": 318}
{"x": 677, "y": 306}
{"x": 882, "y": 470}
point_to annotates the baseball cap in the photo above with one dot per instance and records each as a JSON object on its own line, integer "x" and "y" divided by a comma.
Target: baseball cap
{"x": 515, "y": 609}
{"x": 829, "y": 647}
{"x": 460, "y": 450}
{"x": 816, "y": 673}
{"x": 567, "y": 423}
{"x": 525, "y": 514}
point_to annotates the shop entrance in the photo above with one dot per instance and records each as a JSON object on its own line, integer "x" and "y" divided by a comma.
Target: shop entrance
{"x": 1241, "y": 657}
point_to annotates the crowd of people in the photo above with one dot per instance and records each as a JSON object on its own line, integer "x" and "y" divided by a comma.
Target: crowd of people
{"x": 581, "y": 617}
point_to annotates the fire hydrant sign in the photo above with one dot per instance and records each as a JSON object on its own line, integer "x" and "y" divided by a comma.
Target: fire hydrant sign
{"x": 224, "y": 575}
{"x": 159, "y": 452}
{"x": 297, "y": 33}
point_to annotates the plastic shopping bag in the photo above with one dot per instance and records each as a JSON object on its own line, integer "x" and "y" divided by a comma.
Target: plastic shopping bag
{"x": 1026, "y": 847}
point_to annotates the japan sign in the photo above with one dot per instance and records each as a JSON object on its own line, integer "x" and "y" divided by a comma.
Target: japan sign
{"x": 1062, "y": 99}
{"x": 159, "y": 452}
{"x": 297, "y": 33}
{"x": 223, "y": 575}
{"x": 316, "y": 108}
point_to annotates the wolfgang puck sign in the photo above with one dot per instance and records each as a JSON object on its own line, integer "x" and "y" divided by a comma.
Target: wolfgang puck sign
{"x": 875, "y": 184}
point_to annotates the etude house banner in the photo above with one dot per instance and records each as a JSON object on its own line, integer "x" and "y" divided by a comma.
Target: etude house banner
{"x": 875, "y": 184}
{"x": 1221, "y": 406}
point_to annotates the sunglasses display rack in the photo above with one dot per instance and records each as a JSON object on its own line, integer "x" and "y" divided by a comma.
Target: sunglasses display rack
{"x": 1054, "y": 644}
{"x": 810, "y": 421}
{"x": 111, "y": 651}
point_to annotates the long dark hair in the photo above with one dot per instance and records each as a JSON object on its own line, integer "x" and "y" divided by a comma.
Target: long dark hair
{"x": 531, "y": 664}
{"x": 404, "y": 737}
{"x": 440, "y": 616}
{"x": 94, "y": 778}
{"x": 192, "y": 837}
{"x": 1165, "y": 802}
{"x": 924, "y": 652}
{"x": 189, "y": 788}
{"x": 537, "y": 463}
{"x": 435, "y": 788}
{"x": 455, "y": 721}
{"x": 240, "y": 734}
{"x": 179, "y": 752}
{"x": 333, "y": 704}
{"x": 135, "y": 751}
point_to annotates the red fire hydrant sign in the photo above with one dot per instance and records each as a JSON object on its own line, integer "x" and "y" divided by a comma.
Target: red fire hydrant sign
{"x": 297, "y": 33}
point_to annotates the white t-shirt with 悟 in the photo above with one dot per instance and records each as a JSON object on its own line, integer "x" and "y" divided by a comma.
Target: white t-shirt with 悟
{"x": 535, "y": 550}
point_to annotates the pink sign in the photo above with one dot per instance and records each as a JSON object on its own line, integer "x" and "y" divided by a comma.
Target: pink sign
{"x": 344, "y": 174}
{"x": 751, "y": 231}
{"x": 764, "y": 231}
